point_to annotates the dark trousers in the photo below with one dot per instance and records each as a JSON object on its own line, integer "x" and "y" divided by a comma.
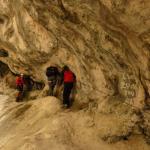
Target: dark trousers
{"x": 66, "y": 93}
{"x": 51, "y": 89}
{"x": 20, "y": 93}
{"x": 52, "y": 83}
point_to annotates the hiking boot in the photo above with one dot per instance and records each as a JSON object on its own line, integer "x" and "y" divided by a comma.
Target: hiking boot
{"x": 65, "y": 106}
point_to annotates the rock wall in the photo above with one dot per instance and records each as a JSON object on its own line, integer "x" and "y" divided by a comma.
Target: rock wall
{"x": 105, "y": 43}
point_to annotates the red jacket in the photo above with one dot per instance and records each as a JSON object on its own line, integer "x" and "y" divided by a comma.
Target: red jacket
{"x": 19, "y": 81}
{"x": 69, "y": 76}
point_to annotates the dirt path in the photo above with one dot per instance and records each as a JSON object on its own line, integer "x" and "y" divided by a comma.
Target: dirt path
{"x": 3, "y": 100}
{"x": 44, "y": 125}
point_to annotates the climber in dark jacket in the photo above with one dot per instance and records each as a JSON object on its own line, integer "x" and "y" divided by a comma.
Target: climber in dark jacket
{"x": 68, "y": 78}
{"x": 52, "y": 74}
{"x": 28, "y": 82}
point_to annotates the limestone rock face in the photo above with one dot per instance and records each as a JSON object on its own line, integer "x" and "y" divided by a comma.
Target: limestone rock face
{"x": 106, "y": 43}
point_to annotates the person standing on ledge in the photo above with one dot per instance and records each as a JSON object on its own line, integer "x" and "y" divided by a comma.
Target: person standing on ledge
{"x": 68, "y": 78}
{"x": 28, "y": 82}
{"x": 52, "y": 74}
{"x": 20, "y": 86}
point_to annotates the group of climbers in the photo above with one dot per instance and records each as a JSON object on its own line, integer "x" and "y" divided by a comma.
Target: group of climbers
{"x": 66, "y": 76}
{"x": 55, "y": 77}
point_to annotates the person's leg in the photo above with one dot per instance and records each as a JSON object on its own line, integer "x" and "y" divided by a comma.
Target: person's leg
{"x": 53, "y": 85}
{"x": 18, "y": 96}
{"x": 21, "y": 93}
{"x": 70, "y": 86}
{"x": 20, "y": 89}
{"x": 50, "y": 88}
{"x": 66, "y": 93}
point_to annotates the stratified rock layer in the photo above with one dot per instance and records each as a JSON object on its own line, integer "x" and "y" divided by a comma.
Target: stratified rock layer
{"x": 105, "y": 43}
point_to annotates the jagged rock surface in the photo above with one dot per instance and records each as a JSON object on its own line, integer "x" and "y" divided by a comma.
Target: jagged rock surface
{"x": 43, "y": 124}
{"x": 105, "y": 43}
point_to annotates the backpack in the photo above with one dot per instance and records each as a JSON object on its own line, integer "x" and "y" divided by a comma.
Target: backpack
{"x": 19, "y": 81}
{"x": 51, "y": 71}
{"x": 69, "y": 76}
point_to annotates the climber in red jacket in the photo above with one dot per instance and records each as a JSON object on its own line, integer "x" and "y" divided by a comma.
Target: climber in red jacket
{"x": 19, "y": 85}
{"x": 68, "y": 79}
